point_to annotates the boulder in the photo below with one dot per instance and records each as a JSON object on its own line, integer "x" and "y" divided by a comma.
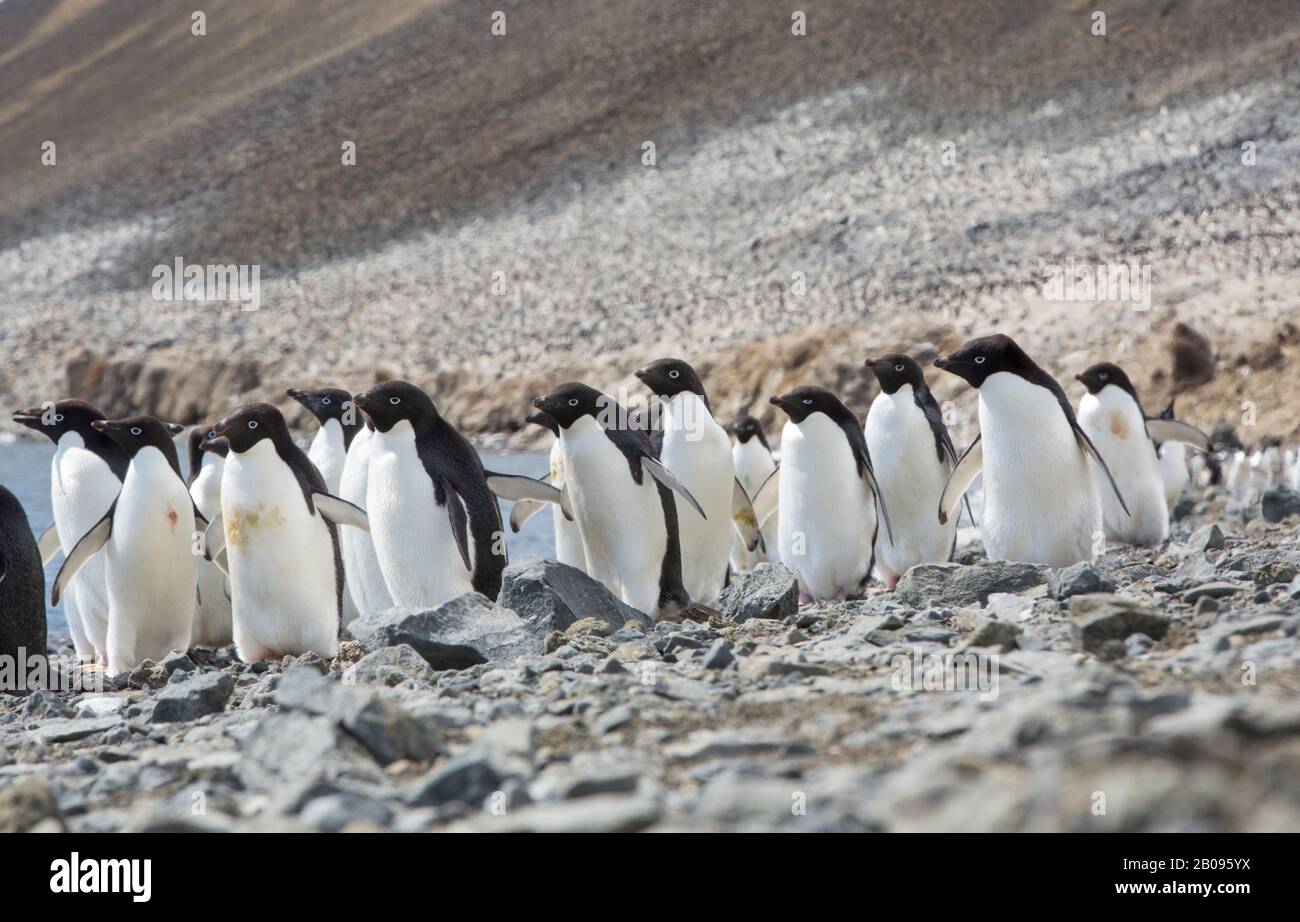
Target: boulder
{"x": 1101, "y": 618}
{"x": 194, "y": 697}
{"x": 933, "y": 585}
{"x": 551, "y": 596}
{"x": 770, "y": 591}
{"x": 466, "y": 631}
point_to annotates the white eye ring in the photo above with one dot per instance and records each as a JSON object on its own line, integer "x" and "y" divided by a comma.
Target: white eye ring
{"x": 807, "y": 401}
{"x": 1104, "y": 375}
{"x": 674, "y": 374}
{"x": 58, "y": 417}
{"x": 573, "y": 401}
{"x": 898, "y": 368}
{"x": 212, "y": 434}
{"x": 135, "y": 430}
{"x": 252, "y": 424}
{"x": 394, "y": 400}
{"x": 325, "y": 400}
{"x": 979, "y": 360}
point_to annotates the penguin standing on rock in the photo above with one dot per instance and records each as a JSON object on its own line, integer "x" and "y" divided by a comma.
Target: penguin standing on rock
{"x": 754, "y": 464}
{"x": 148, "y": 539}
{"x": 22, "y": 584}
{"x": 830, "y": 503}
{"x": 1041, "y": 502}
{"x": 212, "y": 616}
{"x": 914, "y": 455}
{"x": 628, "y": 520}
{"x": 339, "y": 424}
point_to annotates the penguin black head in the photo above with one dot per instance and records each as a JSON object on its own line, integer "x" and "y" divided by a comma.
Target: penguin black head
{"x": 195, "y": 445}
{"x": 327, "y": 403}
{"x": 247, "y": 426}
{"x": 568, "y": 403}
{"x": 670, "y": 377}
{"x": 54, "y": 419}
{"x": 1098, "y": 376}
{"x": 389, "y": 403}
{"x": 136, "y": 433}
{"x": 894, "y": 370}
{"x": 545, "y": 420}
{"x": 803, "y": 402}
{"x": 745, "y": 428}
{"x": 988, "y": 355}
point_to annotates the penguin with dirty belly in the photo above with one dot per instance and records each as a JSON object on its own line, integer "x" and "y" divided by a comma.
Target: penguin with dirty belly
{"x": 149, "y": 537}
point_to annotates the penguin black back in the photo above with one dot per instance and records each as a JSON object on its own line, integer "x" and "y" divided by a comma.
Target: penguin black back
{"x": 22, "y": 583}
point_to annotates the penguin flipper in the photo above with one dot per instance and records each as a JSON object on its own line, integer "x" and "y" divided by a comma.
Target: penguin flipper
{"x": 566, "y": 504}
{"x": 665, "y": 476}
{"x": 963, "y": 475}
{"x": 49, "y": 545}
{"x": 459, "y": 526}
{"x": 1091, "y": 450}
{"x": 744, "y": 518}
{"x": 84, "y": 549}
{"x": 1174, "y": 430}
{"x": 222, "y": 563}
{"x": 524, "y": 510}
{"x": 517, "y": 487}
{"x": 340, "y": 511}
{"x": 767, "y": 497}
{"x": 214, "y": 538}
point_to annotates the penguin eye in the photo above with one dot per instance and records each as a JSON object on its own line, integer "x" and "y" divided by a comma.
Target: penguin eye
{"x": 674, "y": 374}
{"x": 325, "y": 400}
{"x": 58, "y": 417}
{"x": 135, "y": 430}
{"x": 979, "y": 360}
{"x": 807, "y": 401}
{"x": 898, "y": 368}
{"x": 1104, "y": 375}
{"x": 394, "y": 400}
{"x": 212, "y": 434}
{"x": 573, "y": 401}
{"x": 252, "y": 424}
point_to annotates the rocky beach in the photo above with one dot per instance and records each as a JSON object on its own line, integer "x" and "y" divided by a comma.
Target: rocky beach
{"x": 1158, "y": 690}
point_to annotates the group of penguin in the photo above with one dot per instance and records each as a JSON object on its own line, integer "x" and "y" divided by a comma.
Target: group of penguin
{"x": 276, "y": 549}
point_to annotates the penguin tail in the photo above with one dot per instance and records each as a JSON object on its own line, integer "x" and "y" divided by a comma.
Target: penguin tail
{"x": 697, "y": 611}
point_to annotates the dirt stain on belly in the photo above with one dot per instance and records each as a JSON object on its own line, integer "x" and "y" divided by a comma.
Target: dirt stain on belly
{"x": 172, "y": 517}
{"x": 243, "y": 524}
{"x": 1118, "y": 427}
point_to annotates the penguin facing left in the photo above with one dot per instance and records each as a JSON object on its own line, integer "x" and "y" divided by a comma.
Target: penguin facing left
{"x": 212, "y": 615}
{"x": 339, "y": 424}
{"x": 22, "y": 583}
{"x": 568, "y": 539}
{"x": 148, "y": 538}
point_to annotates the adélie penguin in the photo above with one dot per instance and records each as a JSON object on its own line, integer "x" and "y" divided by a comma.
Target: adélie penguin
{"x": 628, "y": 520}
{"x": 830, "y": 503}
{"x": 86, "y": 475}
{"x": 1112, "y": 416}
{"x": 22, "y": 584}
{"x": 339, "y": 424}
{"x": 1172, "y": 458}
{"x": 148, "y": 537}
{"x": 365, "y": 580}
{"x": 568, "y": 539}
{"x": 697, "y": 451}
{"x": 212, "y": 615}
{"x": 913, "y": 456}
{"x": 753, "y": 460}
{"x": 278, "y": 530}
{"x": 1041, "y": 499}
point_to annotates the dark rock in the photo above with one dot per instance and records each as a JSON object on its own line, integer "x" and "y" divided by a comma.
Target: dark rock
{"x": 769, "y": 590}
{"x": 940, "y": 584}
{"x": 463, "y": 632}
{"x": 1276, "y": 505}
{"x": 611, "y": 666}
{"x": 296, "y": 747}
{"x": 1207, "y": 538}
{"x": 719, "y": 655}
{"x": 1079, "y": 579}
{"x": 991, "y": 633}
{"x": 67, "y": 731}
{"x": 205, "y": 693}
{"x": 333, "y": 812}
{"x": 1215, "y": 590}
{"x": 1137, "y": 644}
{"x": 551, "y": 596}
{"x": 147, "y": 675}
{"x": 41, "y": 704}
{"x": 1207, "y": 605}
{"x": 501, "y": 754}
{"x": 389, "y": 666}
{"x": 177, "y": 661}
{"x": 1103, "y": 617}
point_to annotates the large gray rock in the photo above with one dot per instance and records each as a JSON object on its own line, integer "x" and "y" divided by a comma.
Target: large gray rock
{"x": 1101, "y": 618}
{"x": 1276, "y": 505}
{"x": 194, "y": 697}
{"x": 295, "y": 747}
{"x": 502, "y": 754}
{"x": 769, "y": 590}
{"x": 551, "y": 596}
{"x": 938, "y": 584}
{"x": 389, "y": 666}
{"x": 1080, "y": 579}
{"x": 464, "y": 632}
{"x": 386, "y": 731}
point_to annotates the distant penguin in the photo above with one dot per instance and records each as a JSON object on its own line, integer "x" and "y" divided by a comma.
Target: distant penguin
{"x": 279, "y": 530}
{"x": 1171, "y": 458}
{"x": 1041, "y": 498}
{"x": 212, "y": 626}
{"x": 22, "y": 584}
{"x": 914, "y": 456}
{"x": 148, "y": 539}
{"x": 435, "y": 523}
{"x": 86, "y": 476}
{"x": 830, "y": 503}
{"x": 1112, "y": 416}
{"x": 754, "y": 464}
{"x": 568, "y": 539}
{"x": 365, "y": 580}
{"x": 697, "y": 451}
{"x": 628, "y": 520}
{"x": 339, "y": 424}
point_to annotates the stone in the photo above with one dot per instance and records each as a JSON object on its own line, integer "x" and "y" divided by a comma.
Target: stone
{"x": 1079, "y": 579}
{"x": 935, "y": 585}
{"x": 27, "y": 803}
{"x": 611, "y": 720}
{"x": 550, "y": 596}
{"x": 67, "y": 731}
{"x": 1215, "y": 590}
{"x": 1276, "y": 505}
{"x": 1208, "y": 538}
{"x": 770, "y": 591}
{"x": 990, "y": 633}
{"x": 463, "y": 632}
{"x": 41, "y": 704}
{"x": 177, "y": 661}
{"x": 193, "y": 697}
{"x": 293, "y": 747}
{"x": 719, "y": 655}
{"x": 1137, "y": 644}
{"x": 390, "y": 666}
{"x": 503, "y": 753}
{"x": 1104, "y": 617}
{"x": 334, "y": 812}
{"x": 603, "y": 813}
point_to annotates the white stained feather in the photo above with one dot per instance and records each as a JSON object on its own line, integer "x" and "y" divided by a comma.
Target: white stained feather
{"x": 1115, "y": 423}
{"x": 753, "y": 463}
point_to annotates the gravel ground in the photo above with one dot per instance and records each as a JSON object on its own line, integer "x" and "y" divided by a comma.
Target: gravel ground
{"x": 1156, "y": 691}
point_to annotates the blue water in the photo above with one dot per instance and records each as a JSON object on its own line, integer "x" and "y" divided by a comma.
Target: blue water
{"x": 25, "y": 470}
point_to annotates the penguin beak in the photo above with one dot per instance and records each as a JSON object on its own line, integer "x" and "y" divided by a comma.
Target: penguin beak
{"x": 777, "y": 401}
{"x": 942, "y": 361}
{"x": 361, "y": 401}
{"x": 99, "y": 425}
{"x": 539, "y": 403}
{"x": 175, "y": 429}
{"x": 29, "y": 418}
{"x": 1080, "y": 378}
{"x": 214, "y": 435}
{"x": 871, "y": 363}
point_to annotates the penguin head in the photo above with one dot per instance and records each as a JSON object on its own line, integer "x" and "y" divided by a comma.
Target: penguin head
{"x": 803, "y": 402}
{"x": 894, "y": 370}
{"x": 247, "y": 426}
{"x": 988, "y": 355}
{"x": 745, "y": 428}
{"x": 54, "y": 419}
{"x": 670, "y": 377}
{"x": 326, "y": 403}
{"x": 138, "y": 432}
{"x": 1098, "y": 376}
{"x": 545, "y": 420}
{"x": 389, "y": 403}
{"x": 568, "y": 403}
{"x": 203, "y": 438}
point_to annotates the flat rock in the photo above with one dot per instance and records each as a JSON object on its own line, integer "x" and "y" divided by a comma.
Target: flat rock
{"x": 1079, "y": 579}
{"x": 193, "y": 697}
{"x": 389, "y": 666}
{"x": 938, "y": 584}
{"x": 463, "y": 632}
{"x": 770, "y": 590}
{"x": 1103, "y": 617}
{"x": 550, "y": 596}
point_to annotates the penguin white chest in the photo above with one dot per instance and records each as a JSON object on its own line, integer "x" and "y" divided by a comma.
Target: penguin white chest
{"x": 82, "y": 488}
{"x": 328, "y": 452}
{"x": 1114, "y": 422}
{"x": 365, "y": 580}
{"x": 753, "y": 464}
{"x": 568, "y": 539}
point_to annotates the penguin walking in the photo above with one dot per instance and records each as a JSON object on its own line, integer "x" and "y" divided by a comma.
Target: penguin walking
{"x": 364, "y": 579}
{"x": 830, "y": 503}
{"x": 86, "y": 476}
{"x": 1041, "y": 501}
{"x": 568, "y": 539}
{"x": 698, "y": 453}
{"x": 22, "y": 584}
{"x": 754, "y": 463}
{"x": 148, "y": 539}
{"x": 279, "y": 531}
{"x": 628, "y": 521}
{"x": 212, "y": 626}
{"x": 1111, "y": 413}
{"x": 339, "y": 424}
{"x": 1175, "y": 471}
{"x": 914, "y": 456}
